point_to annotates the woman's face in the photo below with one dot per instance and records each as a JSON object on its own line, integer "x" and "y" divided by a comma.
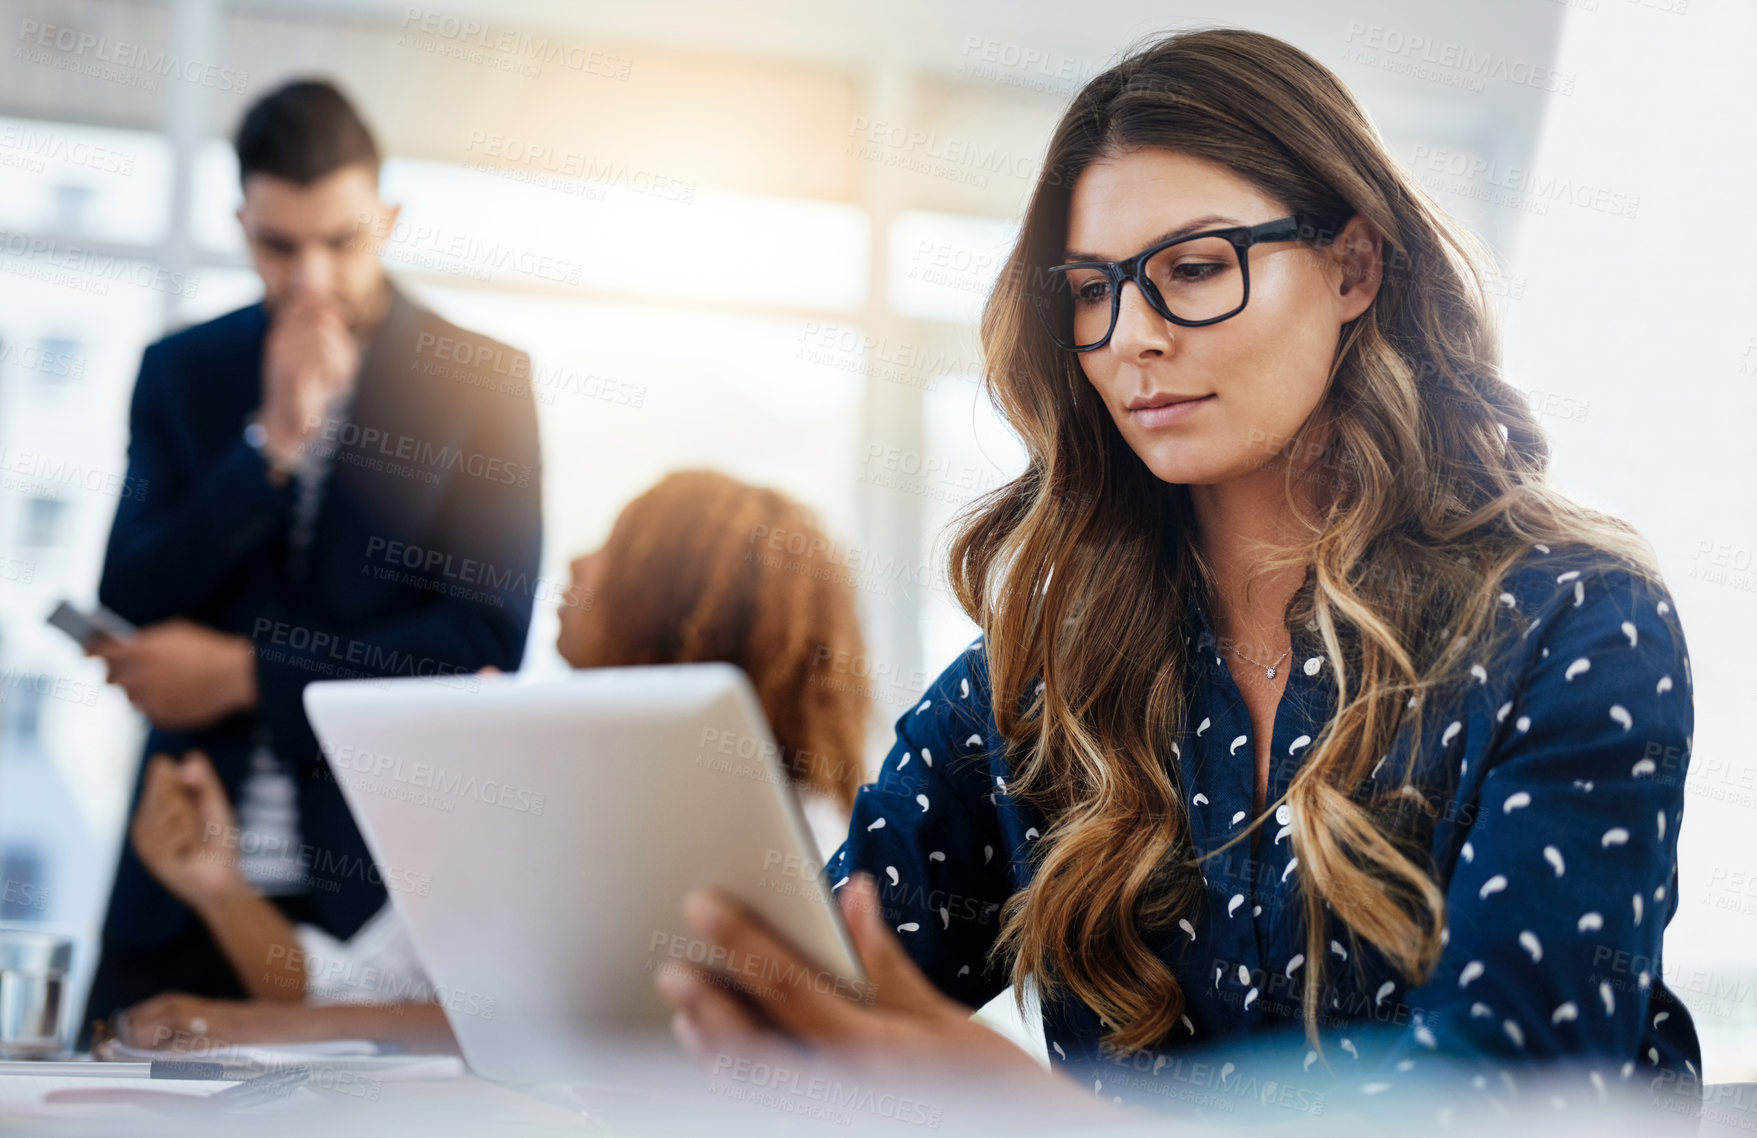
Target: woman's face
{"x": 1249, "y": 381}
{"x": 575, "y": 609}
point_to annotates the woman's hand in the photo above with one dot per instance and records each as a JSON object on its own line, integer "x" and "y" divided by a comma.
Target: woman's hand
{"x": 179, "y": 830}
{"x": 897, "y": 1024}
{"x": 183, "y": 1022}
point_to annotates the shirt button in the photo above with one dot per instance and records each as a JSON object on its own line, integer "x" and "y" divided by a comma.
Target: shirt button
{"x": 1313, "y": 665}
{"x": 1284, "y": 814}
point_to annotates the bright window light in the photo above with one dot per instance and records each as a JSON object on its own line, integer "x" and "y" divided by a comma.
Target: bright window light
{"x": 970, "y": 450}
{"x": 943, "y": 265}
{"x": 84, "y": 182}
{"x": 486, "y": 229}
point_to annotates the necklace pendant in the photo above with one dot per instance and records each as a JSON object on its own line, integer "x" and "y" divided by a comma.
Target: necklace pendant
{"x": 1270, "y": 672}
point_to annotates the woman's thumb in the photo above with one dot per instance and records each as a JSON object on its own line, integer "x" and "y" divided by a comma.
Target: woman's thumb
{"x": 203, "y": 782}
{"x": 887, "y": 965}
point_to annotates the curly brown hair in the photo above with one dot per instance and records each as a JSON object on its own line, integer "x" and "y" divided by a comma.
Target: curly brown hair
{"x": 1080, "y": 570}
{"x": 704, "y": 567}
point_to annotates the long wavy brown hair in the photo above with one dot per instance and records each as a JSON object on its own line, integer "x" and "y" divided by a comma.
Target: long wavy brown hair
{"x": 703, "y": 567}
{"x": 1428, "y": 474}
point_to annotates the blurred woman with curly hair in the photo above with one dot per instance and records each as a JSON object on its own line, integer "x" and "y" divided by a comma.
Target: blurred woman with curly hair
{"x": 703, "y": 567}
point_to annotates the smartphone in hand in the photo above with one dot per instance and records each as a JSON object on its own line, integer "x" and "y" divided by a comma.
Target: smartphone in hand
{"x": 88, "y": 628}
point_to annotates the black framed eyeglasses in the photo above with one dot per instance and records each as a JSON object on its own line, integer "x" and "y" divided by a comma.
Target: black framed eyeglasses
{"x": 1199, "y": 279}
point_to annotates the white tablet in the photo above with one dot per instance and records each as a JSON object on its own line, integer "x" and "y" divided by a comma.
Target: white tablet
{"x": 537, "y": 838}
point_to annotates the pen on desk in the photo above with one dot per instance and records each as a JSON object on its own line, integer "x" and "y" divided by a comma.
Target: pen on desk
{"x": 261, "y": 1089}
{"x": 186, "y": 1069}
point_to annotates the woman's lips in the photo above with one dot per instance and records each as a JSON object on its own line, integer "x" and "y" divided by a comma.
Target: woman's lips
{"x": 1169, "y": 414}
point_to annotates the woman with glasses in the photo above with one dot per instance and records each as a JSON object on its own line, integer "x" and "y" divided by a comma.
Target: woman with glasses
{"x": 1312, "y": 731}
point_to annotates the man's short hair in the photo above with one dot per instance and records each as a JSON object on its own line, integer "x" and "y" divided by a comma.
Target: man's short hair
{"x": 302, "y": 132}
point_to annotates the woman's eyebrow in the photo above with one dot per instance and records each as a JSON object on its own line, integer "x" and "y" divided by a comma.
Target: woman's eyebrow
{"x": 1206, "y": 221}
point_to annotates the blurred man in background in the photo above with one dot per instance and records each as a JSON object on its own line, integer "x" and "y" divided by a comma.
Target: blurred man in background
{"x": 338, "y": 484}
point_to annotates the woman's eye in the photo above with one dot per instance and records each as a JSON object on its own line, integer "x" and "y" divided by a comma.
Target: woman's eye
{"x": 1092, "y": 292}
{"x": 1195, "y": 272}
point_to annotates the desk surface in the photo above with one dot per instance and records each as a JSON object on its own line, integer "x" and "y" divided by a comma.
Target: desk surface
{"x": 79, "y": 1104}
{"x": 668, "y": 1101}
{"x": 638, "y": 1096}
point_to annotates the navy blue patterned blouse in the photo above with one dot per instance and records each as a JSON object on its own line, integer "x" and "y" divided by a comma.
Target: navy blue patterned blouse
{"x": 1554, "y": 842}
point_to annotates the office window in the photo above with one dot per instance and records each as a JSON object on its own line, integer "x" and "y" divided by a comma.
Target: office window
{"x": 54, "y": 359}
{"x": 84, "y": 182}
{"x": 663, "y": 240}
{"x": 970, "y": 450}
{"x": 71, "y": 203}
{"x": 23, "y": 883}
{"x": 214, "y": 198}
{"x": 42, "y": 521}
{"x": 943, "y": 265}
{"x": 21, "y": 710}
{"x": 715, "y": 247}
{"x": 626, "y": 393}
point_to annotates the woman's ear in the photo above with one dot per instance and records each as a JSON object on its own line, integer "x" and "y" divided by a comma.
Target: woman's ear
{"x": 1359, "y": 251}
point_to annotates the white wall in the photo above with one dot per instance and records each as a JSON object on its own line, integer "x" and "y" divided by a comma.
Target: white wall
{"x": 1639, "y": 334}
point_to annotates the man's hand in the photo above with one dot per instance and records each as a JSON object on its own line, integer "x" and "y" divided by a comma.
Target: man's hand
{"x": 308, "y": 361}
{"x": 178, "y": 831}
{"x": 181, "y": 675}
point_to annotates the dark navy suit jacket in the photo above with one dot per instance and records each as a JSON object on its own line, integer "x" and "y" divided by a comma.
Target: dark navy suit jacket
{"x": 423, "y": 560}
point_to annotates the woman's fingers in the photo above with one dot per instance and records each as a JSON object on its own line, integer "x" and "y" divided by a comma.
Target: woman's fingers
{"x": 160, "y": 780}
{"x": 802, "y": 998}
{"x": 712, "y": 1022}
{"x": 896, "y": 981}
{"x": 175, "y": 818}
{"x": 185, "y": 1022}
{"x": 719, "y": 1030}
{"x": 160, "y": 797}
{"x": 166, "y": 824}
{"x": 202, "y": 783}
{"x": 196, "y": 771}
{"x": 154, "y": 1022}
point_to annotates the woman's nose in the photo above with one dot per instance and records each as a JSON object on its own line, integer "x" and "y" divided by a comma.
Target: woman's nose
{"x": 1138, "y": 327}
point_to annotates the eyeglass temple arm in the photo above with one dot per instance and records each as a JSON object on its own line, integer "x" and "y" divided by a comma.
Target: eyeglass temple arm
{"x": 1286, "y": 229}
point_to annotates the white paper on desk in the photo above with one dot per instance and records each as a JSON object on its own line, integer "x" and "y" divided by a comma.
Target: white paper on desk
{"x": 356, "y": 1055}
{"x": 265, "y": 1053}
{"x": 29, "y": 1096}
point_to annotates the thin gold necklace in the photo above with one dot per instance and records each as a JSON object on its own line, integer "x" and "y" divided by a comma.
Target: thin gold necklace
{"x": 1269, "y": 670}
